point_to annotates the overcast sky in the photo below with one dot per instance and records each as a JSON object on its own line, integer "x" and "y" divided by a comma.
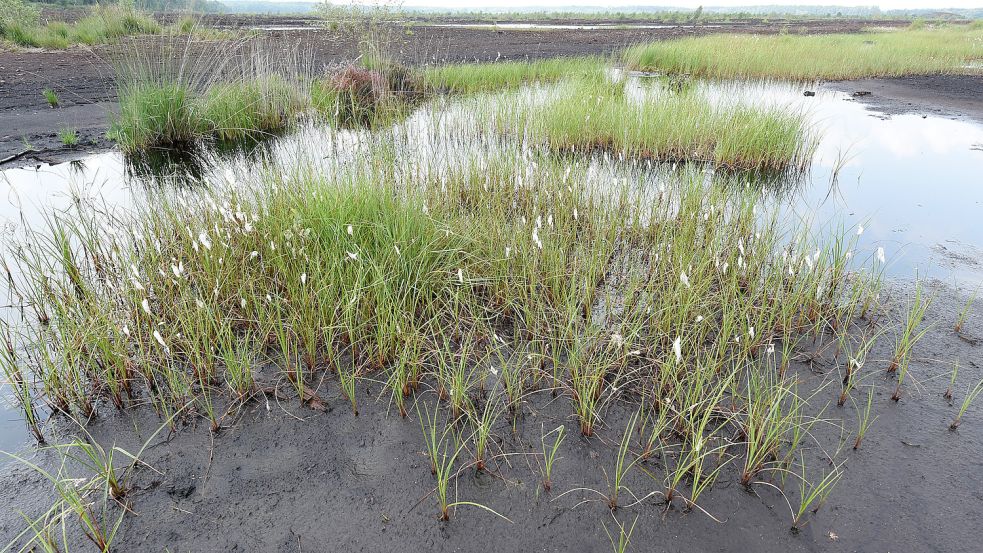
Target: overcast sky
{"x": 884, "y": 4}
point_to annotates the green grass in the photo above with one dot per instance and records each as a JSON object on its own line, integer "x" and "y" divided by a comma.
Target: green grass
{"x": 151, "y": 115}
{"x": 188, "y": 92}
{"x": 487, "y": 77}
{"x": 592, "y": 114}
{"x": 841, "y": 56}
{"x": 51, "y": 97}
{"x": 69, "y": 137}
{"x": 233, "y": 111}
{"x": 104, "y": 24}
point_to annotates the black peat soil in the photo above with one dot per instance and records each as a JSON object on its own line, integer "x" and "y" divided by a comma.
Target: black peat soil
{"x": 950, "y": 96}
{"x": 83, "y": 78}
{"x": 283, "y": 478}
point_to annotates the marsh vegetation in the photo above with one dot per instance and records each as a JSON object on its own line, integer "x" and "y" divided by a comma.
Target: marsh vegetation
{"x": 917, "y": 51}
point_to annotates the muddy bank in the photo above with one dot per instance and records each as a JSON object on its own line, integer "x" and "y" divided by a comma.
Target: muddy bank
{"x": 83, "y": 81}
{"x": 279, "y": 478}
{"x": 952, "y": 96}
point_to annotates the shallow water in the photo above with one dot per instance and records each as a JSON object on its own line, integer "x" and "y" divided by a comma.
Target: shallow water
{"x": 567, "y": 26}
{"x": 913, "y": 182}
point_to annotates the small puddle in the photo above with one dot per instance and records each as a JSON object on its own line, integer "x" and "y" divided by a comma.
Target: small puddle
{"x": 913, "y": 182}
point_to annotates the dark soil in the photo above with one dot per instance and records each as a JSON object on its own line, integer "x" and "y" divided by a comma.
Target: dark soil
{"x": 281, "y": 478}
{"x": 953, "y": 96}
{"x": 84, "y": 80}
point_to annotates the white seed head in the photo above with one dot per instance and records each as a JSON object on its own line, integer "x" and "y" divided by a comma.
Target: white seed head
{"x": 160, "y": 340}
{"x": 617, "y": 340}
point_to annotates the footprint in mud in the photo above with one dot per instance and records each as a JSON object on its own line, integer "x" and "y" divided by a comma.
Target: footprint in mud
{"x": 367, "y": 462}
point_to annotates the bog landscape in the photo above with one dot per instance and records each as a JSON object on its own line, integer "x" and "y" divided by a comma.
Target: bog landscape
{"x": 371, "y": 277}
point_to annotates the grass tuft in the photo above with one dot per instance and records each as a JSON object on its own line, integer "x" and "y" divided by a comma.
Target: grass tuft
{"x": 593, "y": 114}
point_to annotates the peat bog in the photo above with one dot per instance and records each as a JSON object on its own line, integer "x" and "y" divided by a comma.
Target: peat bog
{"x": 659, "y": 299}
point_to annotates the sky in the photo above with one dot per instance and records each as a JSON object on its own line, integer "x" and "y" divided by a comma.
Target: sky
{"x": 692, "y": 4}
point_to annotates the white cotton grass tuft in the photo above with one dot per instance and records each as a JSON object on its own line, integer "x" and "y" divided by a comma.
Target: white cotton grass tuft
{"x": 160, "y": 340}
{"x": 684, "y": 279}
{"x": 145, "y": 304}
{"x": 352, "y": 255}
{"x": 880, "y": 255}
{"x": 617, "y": 340}
{"x": 535, "y": 238}
{"x": 677, "y": 348}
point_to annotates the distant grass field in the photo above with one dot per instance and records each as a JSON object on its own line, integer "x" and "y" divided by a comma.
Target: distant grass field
{"x": 102, "y": 25}
{"x": 842, "y": 56}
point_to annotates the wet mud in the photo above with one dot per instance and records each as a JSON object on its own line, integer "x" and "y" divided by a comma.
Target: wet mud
{"x": 278, "y": 477}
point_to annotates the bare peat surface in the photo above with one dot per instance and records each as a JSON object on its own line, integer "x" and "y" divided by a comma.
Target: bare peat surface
{"x": 83, "y": 79}
{"x": 954, "y": 96}
{"x": 281, "y": 478}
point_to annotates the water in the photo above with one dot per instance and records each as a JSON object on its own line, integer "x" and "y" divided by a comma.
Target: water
{"x": 566, "y": 26}
{"x": 503, "y": 26}
{"x": 913, "y": 182}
